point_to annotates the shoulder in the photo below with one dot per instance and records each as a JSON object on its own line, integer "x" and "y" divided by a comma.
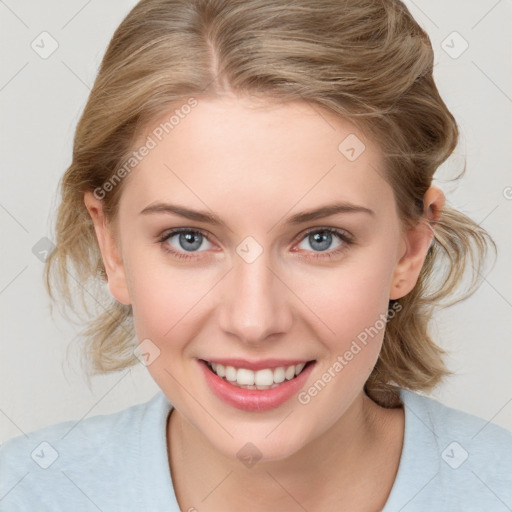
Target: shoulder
{"x": 451, "y": 459}
{"x": 77, "y": 439}
{"x": 480, "y": 438}
{"x": 72, "y": 457}
{"x": 448, "y": 421}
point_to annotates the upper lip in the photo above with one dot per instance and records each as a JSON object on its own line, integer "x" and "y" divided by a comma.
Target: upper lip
{"x": 256, "y": 365}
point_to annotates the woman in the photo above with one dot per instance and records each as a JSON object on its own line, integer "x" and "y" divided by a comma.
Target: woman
{"x": 253, "y": 182}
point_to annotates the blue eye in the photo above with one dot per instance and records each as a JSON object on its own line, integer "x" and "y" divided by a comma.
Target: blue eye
{"x": 189, "y": 241}
{"x": 320, "y": 239}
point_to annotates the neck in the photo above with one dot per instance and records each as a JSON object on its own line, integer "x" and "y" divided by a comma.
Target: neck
{"x": 356, "y": 453}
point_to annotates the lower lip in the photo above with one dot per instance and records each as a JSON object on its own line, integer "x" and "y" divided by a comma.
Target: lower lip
{"x": 253, "y": 399}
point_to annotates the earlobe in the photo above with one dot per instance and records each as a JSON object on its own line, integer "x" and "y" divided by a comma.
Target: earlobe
{"x": 409, "y": 266}
{"x": 109, "y": 248}
{"x": 417, "y": 243}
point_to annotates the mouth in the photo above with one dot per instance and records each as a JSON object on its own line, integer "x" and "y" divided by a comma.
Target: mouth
{"x": 262, "y": 379}
{"x": 257, "y": 386}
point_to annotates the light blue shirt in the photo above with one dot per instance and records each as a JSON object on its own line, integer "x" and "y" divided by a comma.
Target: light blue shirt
{"x": 451, "y": 461}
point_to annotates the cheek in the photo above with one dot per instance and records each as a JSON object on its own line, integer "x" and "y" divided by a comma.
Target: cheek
{"x": 164, "y": 300}
{"x": 353, "y": 304}
{"x": 166, "y": 304}
{"x": 350, "y": 298}
{"x": 169, "y": 302}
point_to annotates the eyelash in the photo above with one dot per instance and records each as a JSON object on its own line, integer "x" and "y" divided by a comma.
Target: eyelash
{"x": 343, "y": 235}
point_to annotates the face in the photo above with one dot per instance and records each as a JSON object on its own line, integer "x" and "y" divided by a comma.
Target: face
{"x": 267, "y": 295}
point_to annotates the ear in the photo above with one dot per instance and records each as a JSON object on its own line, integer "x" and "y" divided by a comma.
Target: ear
{"x": 417, "y": 242}
{"x": 109, "y": 248}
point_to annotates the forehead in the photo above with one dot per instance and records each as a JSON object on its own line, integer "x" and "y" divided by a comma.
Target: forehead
{"x": 233, "y": 151}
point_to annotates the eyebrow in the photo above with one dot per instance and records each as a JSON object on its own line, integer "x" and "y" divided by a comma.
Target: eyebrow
{"x": 298, "y": 218}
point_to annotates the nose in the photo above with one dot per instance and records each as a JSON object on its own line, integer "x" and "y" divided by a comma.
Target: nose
{"x": 255, "y": 303}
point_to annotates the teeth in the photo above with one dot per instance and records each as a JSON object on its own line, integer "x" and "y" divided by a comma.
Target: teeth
{"x": 230, "y": 373}
{"x": 299, "y": 368}
{"x": 245, "y": 377}
{"x": 261, "y": 379}
{"x": 279, "y": 375}
{"x": 219, "y": 370}
{"x": 290, "y": 372}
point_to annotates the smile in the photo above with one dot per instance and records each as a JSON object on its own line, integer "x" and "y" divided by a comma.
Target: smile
{"x": 255, "y": 386}
{"x": 267, "y": 378}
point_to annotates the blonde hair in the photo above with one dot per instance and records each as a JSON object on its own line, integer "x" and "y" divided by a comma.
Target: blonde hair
{"x": 365, "y": 60}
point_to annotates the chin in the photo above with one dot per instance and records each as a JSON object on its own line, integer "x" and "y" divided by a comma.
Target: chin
{"x": 258, "y": 447}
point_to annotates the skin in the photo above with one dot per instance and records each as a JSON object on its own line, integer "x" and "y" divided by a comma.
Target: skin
{"x": 253, "y": 164}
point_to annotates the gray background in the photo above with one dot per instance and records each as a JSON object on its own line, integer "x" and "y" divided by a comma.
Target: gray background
{"x": 40, "y": 102}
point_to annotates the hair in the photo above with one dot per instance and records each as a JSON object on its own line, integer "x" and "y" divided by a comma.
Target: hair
{"x": 367, "y": 61}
